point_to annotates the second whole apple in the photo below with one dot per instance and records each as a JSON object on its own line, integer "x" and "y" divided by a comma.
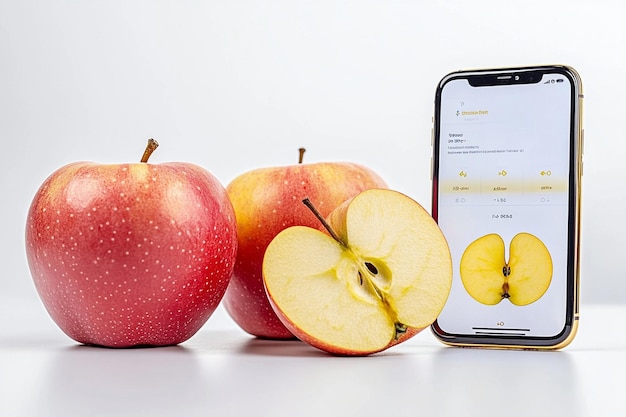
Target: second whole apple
{"x": 267, "y": 201}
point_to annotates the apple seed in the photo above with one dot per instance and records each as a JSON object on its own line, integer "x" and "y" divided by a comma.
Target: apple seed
{"x": 370, "y": 266}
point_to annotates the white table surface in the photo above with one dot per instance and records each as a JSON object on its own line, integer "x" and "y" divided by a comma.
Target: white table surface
{"x": 222, "y": 371}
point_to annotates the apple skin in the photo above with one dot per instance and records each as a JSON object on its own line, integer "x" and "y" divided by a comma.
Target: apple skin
{"x": 131, "y": 254}
{"x": 267, "y": 201}
{"x": 335, "y": 350}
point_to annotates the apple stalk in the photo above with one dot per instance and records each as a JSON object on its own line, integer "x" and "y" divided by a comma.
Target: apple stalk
{"x": 365, "y": 269}
{"x": 150, "y": 147}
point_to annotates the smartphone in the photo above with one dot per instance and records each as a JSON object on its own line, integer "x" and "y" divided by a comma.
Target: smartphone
{"x": 506, "y": 169}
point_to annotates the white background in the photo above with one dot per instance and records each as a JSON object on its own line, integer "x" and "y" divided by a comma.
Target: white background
{"x": 237, "y": 85}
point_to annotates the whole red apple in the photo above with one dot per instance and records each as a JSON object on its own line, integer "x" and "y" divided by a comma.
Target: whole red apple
{"x": 267, "y": 201}
{"x": 131, "y": 254}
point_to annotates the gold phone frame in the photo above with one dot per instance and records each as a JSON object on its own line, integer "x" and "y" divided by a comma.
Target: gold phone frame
{"x": 569, "y": 331}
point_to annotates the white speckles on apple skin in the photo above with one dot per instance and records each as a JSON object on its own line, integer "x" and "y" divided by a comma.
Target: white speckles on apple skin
{"x": 149, "y": 274}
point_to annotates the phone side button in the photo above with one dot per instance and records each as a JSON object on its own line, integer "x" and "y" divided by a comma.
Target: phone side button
{"x": 582, "y": 141}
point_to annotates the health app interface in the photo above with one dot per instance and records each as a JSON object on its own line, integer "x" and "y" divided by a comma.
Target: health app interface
{"x": 502, "y": 184}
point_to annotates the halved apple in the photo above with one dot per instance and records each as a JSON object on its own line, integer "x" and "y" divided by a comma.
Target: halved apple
{"x": 489, "y": 279}
{"x": 383, "y": 275}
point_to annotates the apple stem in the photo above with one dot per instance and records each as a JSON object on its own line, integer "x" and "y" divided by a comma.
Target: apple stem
{"x": 301, "y": 157}
{"x": 152, "y": 145}
{"x": 322, "y": 220}
{"x": 505, "y": 290}
{"x": 401, "y": 329}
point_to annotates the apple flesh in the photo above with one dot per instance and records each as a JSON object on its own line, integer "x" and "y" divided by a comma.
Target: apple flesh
{"x": 267, "y": 201}
{"x": 131, "y": 254}
{"x": 489, "y": 279}
{"x": 382, "y": 276}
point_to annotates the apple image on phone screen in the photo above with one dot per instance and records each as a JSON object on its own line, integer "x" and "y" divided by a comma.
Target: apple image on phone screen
{"x": 489, "y": 278}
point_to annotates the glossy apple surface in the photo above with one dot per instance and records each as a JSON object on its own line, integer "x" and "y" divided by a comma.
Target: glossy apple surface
{"x": 267, "y": 201}
{"x": 131, "y": 254}
{"x": 382, "y": 277}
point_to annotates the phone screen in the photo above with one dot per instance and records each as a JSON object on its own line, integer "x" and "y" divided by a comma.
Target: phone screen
{"x": 505, "y": 197}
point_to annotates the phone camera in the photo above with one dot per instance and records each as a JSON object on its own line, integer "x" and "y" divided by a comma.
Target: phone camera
{"x": 517, "y": 78}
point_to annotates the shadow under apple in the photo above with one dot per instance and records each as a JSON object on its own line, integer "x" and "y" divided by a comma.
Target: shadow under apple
{"x": 84, "y": 380}
{"x": 268, "y": 347}
{"x": 298, "y": 348}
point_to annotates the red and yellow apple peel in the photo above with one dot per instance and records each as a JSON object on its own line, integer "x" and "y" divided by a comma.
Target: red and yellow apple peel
{"x": 267, "y": 201}
{"x": 131, "y": 254}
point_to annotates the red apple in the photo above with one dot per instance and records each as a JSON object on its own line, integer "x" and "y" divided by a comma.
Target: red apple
{"x": 131, "y": 254}
{"x": 267, "y": 201}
